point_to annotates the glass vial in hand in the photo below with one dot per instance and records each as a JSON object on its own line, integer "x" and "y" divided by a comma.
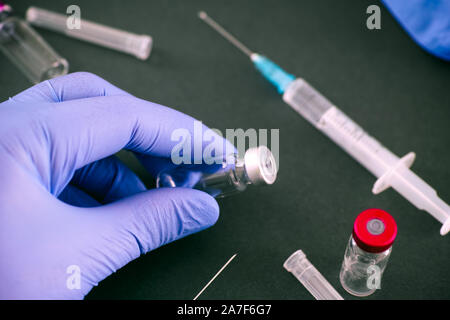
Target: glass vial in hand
{"x": 258, "y": 167}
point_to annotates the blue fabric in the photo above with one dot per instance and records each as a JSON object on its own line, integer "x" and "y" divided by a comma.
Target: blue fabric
{"x": 426, "y": 21}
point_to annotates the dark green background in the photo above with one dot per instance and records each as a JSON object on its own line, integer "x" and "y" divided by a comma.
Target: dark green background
{"x": 381, "y": 78}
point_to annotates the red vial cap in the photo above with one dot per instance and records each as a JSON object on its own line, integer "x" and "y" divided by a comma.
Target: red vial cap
{"x": 374, "y": 230}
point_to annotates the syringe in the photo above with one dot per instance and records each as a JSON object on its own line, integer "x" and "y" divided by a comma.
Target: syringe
{"x": 390, "y": 170}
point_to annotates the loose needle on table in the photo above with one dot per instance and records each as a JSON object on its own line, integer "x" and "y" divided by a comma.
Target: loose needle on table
{"x": 215, "y": 276}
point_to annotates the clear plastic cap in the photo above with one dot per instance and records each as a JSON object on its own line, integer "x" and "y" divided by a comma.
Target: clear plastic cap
{"x": 260, "y": 165}
{"x": 310, "y": 277}
{"x": 138, "y": 45}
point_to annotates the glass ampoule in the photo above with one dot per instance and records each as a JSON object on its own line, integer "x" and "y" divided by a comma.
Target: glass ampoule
{"x": 257, "y": 167}
{"x": 27, "y": 49}
{"x": 368, "y": 252}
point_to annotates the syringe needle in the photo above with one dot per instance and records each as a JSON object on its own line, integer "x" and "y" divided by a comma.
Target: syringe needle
{"x": 202, "y": 15}
{"x": 277, "y": 76}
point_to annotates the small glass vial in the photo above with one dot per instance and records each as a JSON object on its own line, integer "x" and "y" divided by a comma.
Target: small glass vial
{"x": 27, "y": 50}
{"x": 258, "y": 167}
{"x": 367, "y": 252}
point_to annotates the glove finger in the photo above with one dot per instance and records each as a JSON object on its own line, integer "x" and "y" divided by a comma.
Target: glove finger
{"x": 76, "y": 197}
{"x": 108, "y": 180}
{"x": 124, "y": 230}
{"x": 101, "y": 126}
{"x": 73, "y": 86}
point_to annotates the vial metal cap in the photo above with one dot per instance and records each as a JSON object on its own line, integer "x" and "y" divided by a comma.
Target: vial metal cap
{"x": 374, "y": 230}
{"x": 260, "y": 165}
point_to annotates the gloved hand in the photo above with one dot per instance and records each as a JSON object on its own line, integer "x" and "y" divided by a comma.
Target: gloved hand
{"x": 69, "y": 208}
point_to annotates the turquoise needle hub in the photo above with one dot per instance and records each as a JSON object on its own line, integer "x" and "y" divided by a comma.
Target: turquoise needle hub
{"x": 272, "y": 72}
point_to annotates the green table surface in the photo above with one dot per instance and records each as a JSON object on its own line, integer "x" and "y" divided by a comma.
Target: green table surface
{"x": 380, "y": 78}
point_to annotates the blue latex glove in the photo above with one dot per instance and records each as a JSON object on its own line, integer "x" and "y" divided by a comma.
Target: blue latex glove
{"x": 66, "y": 201}
{"x": 426, "y": 21}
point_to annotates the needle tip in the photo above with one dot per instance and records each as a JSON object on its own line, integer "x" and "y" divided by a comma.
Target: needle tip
{"x": 202, "y": 15}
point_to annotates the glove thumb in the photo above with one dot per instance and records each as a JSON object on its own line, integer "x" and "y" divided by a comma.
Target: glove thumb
{"x": 122, "y": 231}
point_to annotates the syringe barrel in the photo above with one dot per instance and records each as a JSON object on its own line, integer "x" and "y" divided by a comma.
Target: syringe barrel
{"x": 326, "y": 117}
{"x": 306, "y": 100}
{"x": 370, "y": 153}
{"x": 137, "y": 45}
